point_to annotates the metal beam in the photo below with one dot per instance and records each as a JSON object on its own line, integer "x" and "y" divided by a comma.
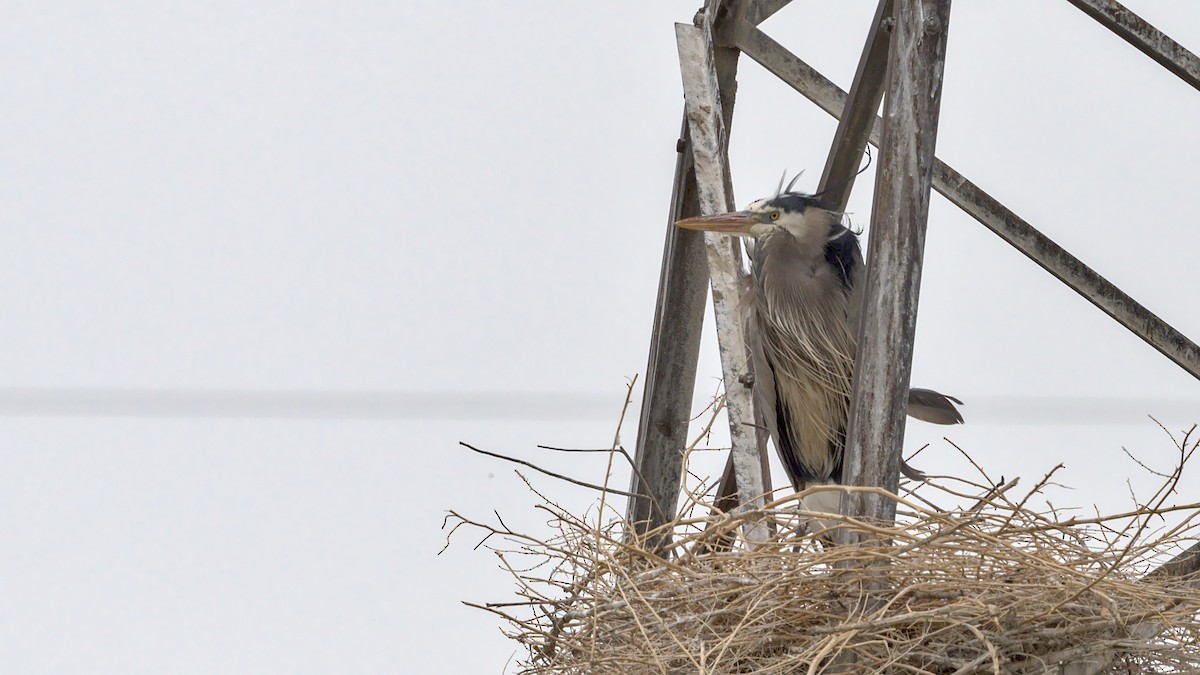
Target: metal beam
{"x": 720, "y": 15}
{"x": 678, "y": 323}
{"x": 1184, "y": 565}
{"x": 875, "y": 431}
{"x": 758, "y": 11}
{"x": 709, "y": 148}
{"x": 674, "y": 352}
{"x": 988, "y": 211}
{"x": 854, "y": 127}
{"x": 1067, "y": 268}
{"x": 1149, "y": 40}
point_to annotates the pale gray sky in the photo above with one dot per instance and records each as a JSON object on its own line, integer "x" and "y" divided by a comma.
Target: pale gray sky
{"x": 391, "y": 205}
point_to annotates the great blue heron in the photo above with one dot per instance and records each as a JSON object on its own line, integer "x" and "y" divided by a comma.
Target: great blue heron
{"x": 804, "y": 304}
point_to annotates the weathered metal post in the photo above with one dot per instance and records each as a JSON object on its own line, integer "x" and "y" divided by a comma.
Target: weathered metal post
{"x": 674, "y": 352}
{"x": 678, "y": 322}
{"x": 876, "y": 427}
{"x": 709, "y": 148}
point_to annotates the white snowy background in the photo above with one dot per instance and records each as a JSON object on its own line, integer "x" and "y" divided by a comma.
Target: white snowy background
{"x": 263, "y": 265}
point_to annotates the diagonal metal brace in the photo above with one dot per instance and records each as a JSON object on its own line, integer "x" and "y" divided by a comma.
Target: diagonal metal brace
{"x": 1149, "y": 40}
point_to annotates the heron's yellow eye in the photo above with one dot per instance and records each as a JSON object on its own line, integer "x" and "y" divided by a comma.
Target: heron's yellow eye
{"x": 774, "y": 215}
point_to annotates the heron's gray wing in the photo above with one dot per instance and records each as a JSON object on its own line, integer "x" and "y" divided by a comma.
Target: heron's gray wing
{"x": 931, "y": 406}
{"x": 766, "y": 395}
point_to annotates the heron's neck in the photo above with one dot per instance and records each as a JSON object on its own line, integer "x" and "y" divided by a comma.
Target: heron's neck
{"x": 793, "y": 277}
{"x": 784, "y": 255}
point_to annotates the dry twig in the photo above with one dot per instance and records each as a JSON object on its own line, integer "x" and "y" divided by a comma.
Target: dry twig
{"x": 989, "y": 586}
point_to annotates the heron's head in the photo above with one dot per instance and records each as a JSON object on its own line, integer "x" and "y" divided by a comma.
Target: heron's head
{"x": 795, "y": 213}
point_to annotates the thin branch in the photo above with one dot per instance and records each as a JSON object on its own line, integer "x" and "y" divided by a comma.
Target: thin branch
{"x": 551, "y": 473}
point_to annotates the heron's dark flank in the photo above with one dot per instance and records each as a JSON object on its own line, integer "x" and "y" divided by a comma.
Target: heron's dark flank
{"x": 804, "y": 304}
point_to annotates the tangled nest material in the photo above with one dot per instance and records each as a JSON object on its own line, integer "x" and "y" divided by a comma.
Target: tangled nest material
{"x": 989, "y": 586}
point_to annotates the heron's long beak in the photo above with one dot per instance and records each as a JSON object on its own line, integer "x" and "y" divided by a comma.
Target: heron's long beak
{"x": 738, "y": 222}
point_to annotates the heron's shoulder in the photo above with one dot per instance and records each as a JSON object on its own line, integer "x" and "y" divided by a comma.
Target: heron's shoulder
{"x": 843, "y": 254}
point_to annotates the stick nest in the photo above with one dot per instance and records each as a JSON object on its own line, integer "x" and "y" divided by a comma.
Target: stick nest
{"x": 989, "y": 586}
